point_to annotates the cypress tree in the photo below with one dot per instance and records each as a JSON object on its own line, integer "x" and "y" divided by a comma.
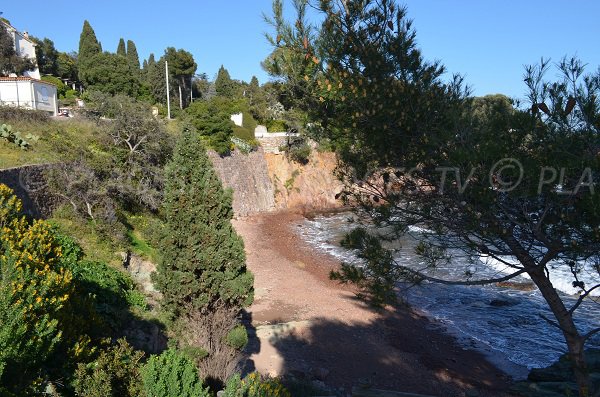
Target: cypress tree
{"x": 203, "y": 269}
{"x": 88, "y": 48}
{"x": 223, "y": 84}
{"x": 151, "y": 60}
{"x": 121, "y": 48}
{"x": 132, "y": 55}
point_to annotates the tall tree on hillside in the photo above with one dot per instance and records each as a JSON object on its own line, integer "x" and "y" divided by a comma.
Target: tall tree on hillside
{"x": 202, "y": 274}
{"x": 10, "y": 62}
{"x": 121, "y": 47}
{"x": 88, "y": 48}
{"x": 223, "y": 84}
{"x": 46, "y": 56}
{"x": 257, "y": 101}
{"x": 155, "y": 80}
{"x": 67, "y": 66}
{"x": 132, "y": 56}
{"x": 111, "y": 73}
{"x": 182, "y": 68}
{"x": 487, "y": 181}
{"x": 151, "y": 60}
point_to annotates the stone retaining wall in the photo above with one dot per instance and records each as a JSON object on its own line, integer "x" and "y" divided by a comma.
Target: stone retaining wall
{"x": 272, "y": 141}
{"x": 29, "y": 185}
{"x": 248, "y": 176}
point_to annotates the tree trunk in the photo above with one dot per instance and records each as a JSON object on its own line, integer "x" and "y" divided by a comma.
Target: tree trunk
{"x": 575, "y": 342}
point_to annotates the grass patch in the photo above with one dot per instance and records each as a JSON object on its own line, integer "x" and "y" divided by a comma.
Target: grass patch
{"x": 143, "y": 232}
{"x": 91, "y": 237}
{"x": 59, "y": 140}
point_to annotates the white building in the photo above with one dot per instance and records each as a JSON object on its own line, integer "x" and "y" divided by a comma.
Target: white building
{"x": 27, "y": 91}
{"x": 24, "y": 47}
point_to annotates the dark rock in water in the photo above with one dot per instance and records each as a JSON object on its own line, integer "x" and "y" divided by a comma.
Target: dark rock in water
{"x": 503, "y": 302}
{"x": 558, "y": 379}
{"x": 557, "y": 372}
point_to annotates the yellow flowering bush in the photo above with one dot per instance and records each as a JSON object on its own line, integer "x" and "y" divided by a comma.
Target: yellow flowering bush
{"x": 254, "y": 385}
{"x": 33, "y": 290}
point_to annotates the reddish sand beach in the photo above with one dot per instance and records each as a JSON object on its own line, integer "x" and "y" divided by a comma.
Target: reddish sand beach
{"x": 308, "y": 325}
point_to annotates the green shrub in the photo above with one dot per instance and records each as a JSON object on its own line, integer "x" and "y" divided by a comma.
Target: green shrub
{"x": 115, "y": 373}
{"x": 172, "y": 374}
{"x": 136, "y": 298}
{"x": 61, "y": 88}
{"x": 300, "y": 153}
{"x": 221, "y": 143}
{"x": 277, "y": 126}
{"x": 243, "y": 133}
{"x": 111, "y": 291}
{"x": 248, "y": 121}
{"x": 237, "y": 337}
{"x": 255, "y": 386}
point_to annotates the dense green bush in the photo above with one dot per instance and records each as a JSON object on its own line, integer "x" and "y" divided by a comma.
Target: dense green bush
{"x": 115, "y": 373}
{"x": 237, "y": 337}
{"x": 172, "y": 374}
{"x": 61, "y": 88}
{"x": 277, "y": 126}
{"x": 243, "y": 133}
{"x": 112, "y": 292}
{"x": 221, "y": 143}
{"x": 212, "y": 119}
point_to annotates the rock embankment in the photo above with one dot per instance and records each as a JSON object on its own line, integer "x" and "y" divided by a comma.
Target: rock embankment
{"x": 309, "y": 187}
{"x": 264, "y": 182}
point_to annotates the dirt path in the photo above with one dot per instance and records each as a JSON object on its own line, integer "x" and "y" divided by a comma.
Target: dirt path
{"x": 309, "y": 326}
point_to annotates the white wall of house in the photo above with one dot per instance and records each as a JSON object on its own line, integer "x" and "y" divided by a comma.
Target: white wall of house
{"x": 238, "y": 119}
{"x": 24, "y": 47}
{"x": 28, "y": 93}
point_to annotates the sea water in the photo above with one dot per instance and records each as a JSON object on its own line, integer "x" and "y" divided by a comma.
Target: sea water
{"x": 500, "y": 320}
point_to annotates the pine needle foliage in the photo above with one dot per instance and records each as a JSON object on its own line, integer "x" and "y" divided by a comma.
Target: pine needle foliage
{"x": 204, "y": 264}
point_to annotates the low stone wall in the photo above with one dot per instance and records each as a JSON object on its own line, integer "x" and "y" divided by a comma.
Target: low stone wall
{"x": 272, "y": 141}
{"x": 29, "y": 185}
{"x": 247, "y": 175}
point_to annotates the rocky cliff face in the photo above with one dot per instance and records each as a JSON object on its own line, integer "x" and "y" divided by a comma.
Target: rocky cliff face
{"x": 264, "y": 182}
{"x": 307, "y": 187}
{"x": 247, "y": 175}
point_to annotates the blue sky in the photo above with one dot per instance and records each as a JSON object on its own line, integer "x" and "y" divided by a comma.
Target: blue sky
{"x": 488, "y": 41}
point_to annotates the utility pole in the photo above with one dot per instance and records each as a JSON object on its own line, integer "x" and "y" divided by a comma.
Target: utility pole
{"x": 180, "y": 99}
{"x": 168, "y": 98}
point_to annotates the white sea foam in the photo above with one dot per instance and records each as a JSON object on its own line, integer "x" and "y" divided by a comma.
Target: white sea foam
{"x": 515, "y": 329}
{"x": 560, "y": 274}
